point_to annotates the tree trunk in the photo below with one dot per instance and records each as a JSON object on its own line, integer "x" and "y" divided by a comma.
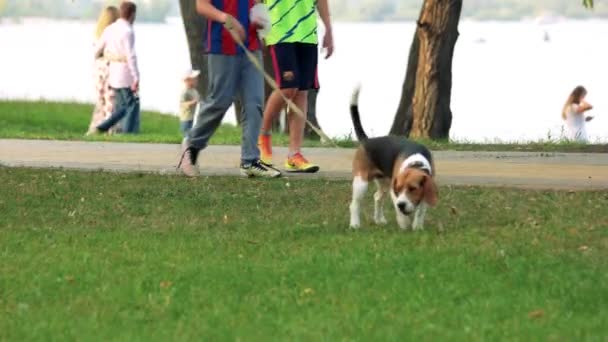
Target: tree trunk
{"x": 402, "y": 124}
{"x": 269, "y": 69}
{"x": 312, "y": 115}
{"x": 196, "y": 30}
{"x": 424, "y": 111}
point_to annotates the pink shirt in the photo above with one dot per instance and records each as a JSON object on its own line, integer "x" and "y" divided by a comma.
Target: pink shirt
{"x": 117, "y": 44}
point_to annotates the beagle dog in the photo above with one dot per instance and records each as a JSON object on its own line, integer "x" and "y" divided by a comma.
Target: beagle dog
{"x": 398, "y": 166}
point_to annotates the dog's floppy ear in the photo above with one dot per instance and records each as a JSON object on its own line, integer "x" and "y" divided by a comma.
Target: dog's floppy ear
{"x": 430, "y": 191}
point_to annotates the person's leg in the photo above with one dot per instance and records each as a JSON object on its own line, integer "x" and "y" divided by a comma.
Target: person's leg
{"x": 251, "y": 94}
{"x": 137, "y": 116}
{"x": 297, "y": 123}
{"x": 110, "y": 101}
{"x": 274, "y": 105}
{"x": 132, "y": 113}
{"x": 312, "y": 114}
{"x": 283, "y": 59}
{"x": 286, "y": 77}
{"x": 306, "y": 61}
{"x": 223, "y": 78}
{"x": 120, "y": 110}
{"x": 97, "y": 118}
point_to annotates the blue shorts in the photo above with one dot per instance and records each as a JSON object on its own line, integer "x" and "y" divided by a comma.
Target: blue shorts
{"x": 295, "y": 65}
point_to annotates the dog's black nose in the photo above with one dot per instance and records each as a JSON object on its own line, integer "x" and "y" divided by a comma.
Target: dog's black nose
{"x": 401, "y": 207}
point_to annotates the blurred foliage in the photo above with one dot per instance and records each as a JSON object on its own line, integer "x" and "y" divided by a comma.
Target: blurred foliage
{"x": 344, "y": 10}
{"x": 154, "y": 10}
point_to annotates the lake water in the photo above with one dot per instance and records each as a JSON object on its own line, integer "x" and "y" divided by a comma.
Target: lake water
{"x": 508, "y": 83}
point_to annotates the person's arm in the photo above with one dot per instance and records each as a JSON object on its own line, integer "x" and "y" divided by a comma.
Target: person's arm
{"x": 188, "y": 101}
{"x": 328, "y": 39}
{"x": 586, "y": 106}
{"x": 100, "y": 45}
{"x": 206, "y": 9}
{"x": 580, "y": 109}
{"x": 188, "y": 104}
{"x": 132, "y": 59}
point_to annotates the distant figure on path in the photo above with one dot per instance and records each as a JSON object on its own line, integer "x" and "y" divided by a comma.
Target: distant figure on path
{"x": 105, "y": 95}
{"x": 188, "y": 101}
{"x": 117, "y": 44}
{"x": 574, "y": 115}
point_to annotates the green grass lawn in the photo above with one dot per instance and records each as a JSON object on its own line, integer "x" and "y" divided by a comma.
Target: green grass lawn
{"x": 100, "y": 256}
{"x": 69, "y": 121}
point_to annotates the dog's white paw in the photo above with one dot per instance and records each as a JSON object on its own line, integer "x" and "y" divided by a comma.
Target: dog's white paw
{"x": 355, "y": 225}
{"x": 381, "y": 220}
{"x": 403, "y": 221}
{"x": 417, "y": 226}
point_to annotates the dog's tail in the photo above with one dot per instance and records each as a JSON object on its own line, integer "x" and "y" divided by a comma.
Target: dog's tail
{"x": 354, "y": 114}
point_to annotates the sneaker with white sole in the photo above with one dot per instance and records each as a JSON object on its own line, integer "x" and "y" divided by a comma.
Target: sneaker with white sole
{"x": 258, "y": 169}
{"x": 187, "y": 162}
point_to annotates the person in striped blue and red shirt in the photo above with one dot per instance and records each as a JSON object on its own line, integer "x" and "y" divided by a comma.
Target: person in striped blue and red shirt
{"x": 230, "y": 73}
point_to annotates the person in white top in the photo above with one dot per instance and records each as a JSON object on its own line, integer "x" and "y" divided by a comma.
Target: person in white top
{"x": 117, "y": 44}
{"x": 574, "y": 115}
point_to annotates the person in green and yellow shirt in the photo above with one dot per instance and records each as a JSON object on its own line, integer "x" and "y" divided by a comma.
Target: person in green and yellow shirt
{"x": 292, "y": 43}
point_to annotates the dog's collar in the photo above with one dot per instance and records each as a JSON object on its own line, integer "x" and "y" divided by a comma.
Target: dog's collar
{"x": 417, "y": 161}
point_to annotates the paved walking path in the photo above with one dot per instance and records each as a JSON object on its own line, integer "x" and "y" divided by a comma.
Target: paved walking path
{"x": 519, "y": 169}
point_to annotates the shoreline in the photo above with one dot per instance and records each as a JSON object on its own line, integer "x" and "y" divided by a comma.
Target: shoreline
{"x": 67, "y": 121}
{"x": 173, "y": 20}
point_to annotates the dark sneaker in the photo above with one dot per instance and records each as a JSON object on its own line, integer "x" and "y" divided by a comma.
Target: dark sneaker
{"x": 258, "y": 169}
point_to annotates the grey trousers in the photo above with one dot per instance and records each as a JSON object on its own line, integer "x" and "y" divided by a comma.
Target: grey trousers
{"x": 231, "y": 76}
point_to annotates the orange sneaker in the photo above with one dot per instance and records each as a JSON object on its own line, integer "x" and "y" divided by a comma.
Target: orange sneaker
{"x": 298, "y": 163}
{"x": 265, "y": 145}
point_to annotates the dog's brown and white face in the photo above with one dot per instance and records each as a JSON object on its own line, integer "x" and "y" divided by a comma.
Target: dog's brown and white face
{"x": 411, "y": 187}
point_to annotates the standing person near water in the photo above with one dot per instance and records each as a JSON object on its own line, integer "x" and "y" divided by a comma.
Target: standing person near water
{"x": 105, "y": 95}
{"x": 117, "y": 44}
{"x": 574, "y": 115}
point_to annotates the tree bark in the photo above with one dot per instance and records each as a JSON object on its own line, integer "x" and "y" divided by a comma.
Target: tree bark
{"x": 424, "y": 110}
{"x": 195, "y": 26}
{"x": 269, "y": 69}
{"x": 402, "y": 124}
{"x": 312, "y": 115}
